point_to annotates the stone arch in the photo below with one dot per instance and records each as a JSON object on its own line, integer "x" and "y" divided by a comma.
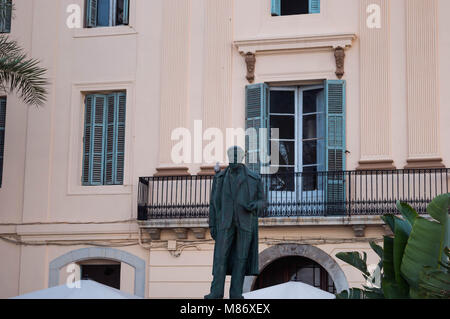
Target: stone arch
{"x": 319, "y": 256}
{"x": 100, "y": 253}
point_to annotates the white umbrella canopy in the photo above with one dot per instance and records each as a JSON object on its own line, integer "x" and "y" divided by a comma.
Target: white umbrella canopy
{"x": 290, "y": 290}
{"x": 87, "y": 290}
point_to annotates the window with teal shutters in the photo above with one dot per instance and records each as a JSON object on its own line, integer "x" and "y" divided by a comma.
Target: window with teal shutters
{"x": 103, "y": 13}
{"x": 293, "y": 7}
{"x": 5, "y": 16}
{"x": 256, "y": 102}
{"x": 336, "y": 146}
{"x": 2, "y": 134}
{"x": 104, "y": 139}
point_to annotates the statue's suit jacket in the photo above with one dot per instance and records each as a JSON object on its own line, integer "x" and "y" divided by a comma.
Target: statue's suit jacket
{"x": 247, "y": 188}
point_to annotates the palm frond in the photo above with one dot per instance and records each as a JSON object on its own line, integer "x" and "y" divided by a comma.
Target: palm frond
{"x": 22, "y": 74}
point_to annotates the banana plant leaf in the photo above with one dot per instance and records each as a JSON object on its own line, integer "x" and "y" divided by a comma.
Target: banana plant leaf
{"x": 439, "y": 209}
{"x": 434, "y": 284}
{"x": 425, "y": 247}
{"x": 402, "y": 232}
{"x": 379, "y": 251}
{"x": 354, "y": 259}
{"x": 390, "y": 221}
{"x": 352, "y": 293}
{"x": 408, "y": 212}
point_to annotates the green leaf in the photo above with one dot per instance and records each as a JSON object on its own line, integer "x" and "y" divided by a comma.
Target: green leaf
{"x": 423, "y": 249}
{"x": 352, "y": 293}
{"x": 354, "y": 259}
{"x": 389, "y": 220}
{"x": 402, "y": 231}
{"x": 392, "y": 290}
{"x": 379, "y": 251}
{"x": 407, "y": 212}
{"x": 388, "y": 259}
{"x": 438, "y": 209}
{"x": 434, "y": 283}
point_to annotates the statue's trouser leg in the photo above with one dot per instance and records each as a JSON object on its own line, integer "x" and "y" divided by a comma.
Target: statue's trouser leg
{"x": 243, "y": 241}
{"x": 224, "y": 242}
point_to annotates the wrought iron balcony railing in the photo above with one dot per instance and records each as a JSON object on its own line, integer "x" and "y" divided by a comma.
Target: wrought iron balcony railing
{"x": 300, "y": 194}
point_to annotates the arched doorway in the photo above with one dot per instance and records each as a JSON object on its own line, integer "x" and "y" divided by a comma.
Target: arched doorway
{"x": 295, "y": 268}
{"x": 308, "y": 252}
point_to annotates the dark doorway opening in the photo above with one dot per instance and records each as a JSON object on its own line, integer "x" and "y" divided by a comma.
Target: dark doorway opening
{"x": 291, "y": 7}
{"x": 295, "y": 268}
{"x": 108, "y": 275}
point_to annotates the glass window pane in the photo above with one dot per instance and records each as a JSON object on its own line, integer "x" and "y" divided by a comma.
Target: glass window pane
{"x": 310, "y": 101}
{"x": 310, "y": 153}
{"x": 286, "y": 153}
{"x": 283, "y": 180}
{"x": 285, "y": 124}
{"x": 119, "y": 12}
{"x": 282, "y": 102}
{"x": 309, "y": 179}
{"x": 310, "y": 127}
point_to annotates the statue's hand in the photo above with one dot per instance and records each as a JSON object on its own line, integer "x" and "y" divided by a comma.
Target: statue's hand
{"x": 251, "y": 207}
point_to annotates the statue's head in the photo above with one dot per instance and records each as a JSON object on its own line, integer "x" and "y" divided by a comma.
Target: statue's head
{"x": 235, "y": 156}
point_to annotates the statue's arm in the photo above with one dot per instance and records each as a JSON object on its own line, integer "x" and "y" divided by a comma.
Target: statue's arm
{"x": 212, "y": 209}
{"x": 260, "y": 203}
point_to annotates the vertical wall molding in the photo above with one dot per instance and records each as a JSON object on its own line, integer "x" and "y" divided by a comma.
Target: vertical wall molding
{"x": 174, "y": 73}
{"x": 422, "y": 81}
{"x": 217, "y": 76}
{"x": 375, "y": 63}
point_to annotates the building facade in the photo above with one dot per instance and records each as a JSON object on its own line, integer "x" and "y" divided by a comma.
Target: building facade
{"x": 89, "y": 185}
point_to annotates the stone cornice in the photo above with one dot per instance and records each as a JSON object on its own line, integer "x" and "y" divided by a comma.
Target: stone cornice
{"x": 295, "y": 43}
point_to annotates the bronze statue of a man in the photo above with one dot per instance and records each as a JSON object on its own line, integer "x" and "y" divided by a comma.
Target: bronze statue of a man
{"x": 236, "y": 199}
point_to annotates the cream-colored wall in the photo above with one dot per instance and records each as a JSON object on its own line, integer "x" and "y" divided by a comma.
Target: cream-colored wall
{"x": 42, "y": 168}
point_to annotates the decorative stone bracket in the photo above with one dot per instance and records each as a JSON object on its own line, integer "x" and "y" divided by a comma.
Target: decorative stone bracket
{"x": 335, "y": 42}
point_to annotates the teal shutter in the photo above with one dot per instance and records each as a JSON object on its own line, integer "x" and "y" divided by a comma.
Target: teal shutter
{"x": 314, "y": 6}
{"x": 89, "y": 107}
{"x": 120, "y": 138}
{"x": 104, "y": 139}
{"x": 2, "y": 134}
{"x": 115, "y": 139}
{"x": 111, "y": 143}
{"x": 94, "y": 140}
{"x": 335, "y": 150}
{"x": 5, "y": 16}
{"x": 276, "y": 7}
{"x": 256, "y": 104}
{"x": 126, "y": 12}
{"x": 91, "y": 13}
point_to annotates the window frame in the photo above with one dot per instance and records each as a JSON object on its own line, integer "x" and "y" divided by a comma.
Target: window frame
{"x": 314, "y": 7}
{"x": 115, "y": 168}
{"x": 112, "y": 15}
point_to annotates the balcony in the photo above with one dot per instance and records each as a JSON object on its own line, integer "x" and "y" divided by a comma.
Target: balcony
{"x": 183, "y": 201}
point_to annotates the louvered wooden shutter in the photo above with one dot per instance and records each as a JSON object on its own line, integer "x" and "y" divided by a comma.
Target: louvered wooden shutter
{"x": 126, "y": 12}
{"x": 335, "y": 100}
{"x": 120, "y": 138}
{"x": 110, "y": 139}
{"x": 5, "y": 16}
{"x": 314, "y": 6}
{"x": 94, "y": 140}
{"x": 91, "y": 13}
{"x": 256, "y": 117}
{"x": 276, "y": 7}
{"x": 2, "y": 134}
